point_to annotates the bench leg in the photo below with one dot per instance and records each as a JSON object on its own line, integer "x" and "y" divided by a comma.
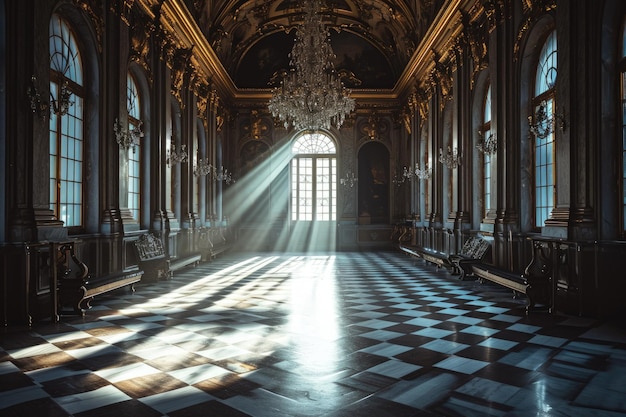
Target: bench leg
{"x": 85, "y": 304}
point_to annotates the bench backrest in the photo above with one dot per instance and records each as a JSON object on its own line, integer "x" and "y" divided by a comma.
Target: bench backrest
{"x": 475, "y": 247}
{"x": 149, "y": 247}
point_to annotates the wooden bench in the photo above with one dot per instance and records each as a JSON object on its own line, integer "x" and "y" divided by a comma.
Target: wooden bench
{"x": 212, "y": 242}
{"x": 536, "y": 281}
{"x": 438, "y": 258}
{"x": 152, "y": 258}
{"x": 77, "y": 287}
{"x": 475, "y": 249}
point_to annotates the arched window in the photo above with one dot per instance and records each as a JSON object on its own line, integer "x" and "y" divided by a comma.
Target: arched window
{"x": 314, "y": 178}
{"x": 543, "y": 120}
{"x": 66, "y": 124}
{"x": 486, "y": 134}
{"x": 623, "y": 95}
{"x": 134, "y": 152}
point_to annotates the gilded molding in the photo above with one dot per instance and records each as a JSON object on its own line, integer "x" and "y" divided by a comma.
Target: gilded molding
{"x": 476, "y": 35}
{"x": 201, "y": 91}
{"x": 257, "y": 127}
{"x": 441, "y": 79}
{"x": 140, "y": 31}
{"x": 180, "y": 70}
{"x": 532, "y": 10}
{"x": 423, "y": 99}
{"x": 123, "y": 9}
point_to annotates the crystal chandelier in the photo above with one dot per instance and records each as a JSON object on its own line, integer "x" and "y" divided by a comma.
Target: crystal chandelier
{"x": 311, "y": 95}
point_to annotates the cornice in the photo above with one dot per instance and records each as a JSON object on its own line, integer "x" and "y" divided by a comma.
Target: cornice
{"x": 177, "y": 20}
{"x": 440, "y": 37}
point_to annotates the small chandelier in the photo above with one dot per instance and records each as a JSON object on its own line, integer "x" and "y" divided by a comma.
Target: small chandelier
{"x": 451, "y": 159}
{"x": 127, "y": 138}
{"x": 174, "y": 157}
{"x": 349, "y": 180}
{"x": 311, "y": 96}
{"x": 544, "y": 123}
{"x": 488, "y": 146}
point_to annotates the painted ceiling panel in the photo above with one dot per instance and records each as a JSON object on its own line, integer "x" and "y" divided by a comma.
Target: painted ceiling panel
{"x": 372, "y": 39}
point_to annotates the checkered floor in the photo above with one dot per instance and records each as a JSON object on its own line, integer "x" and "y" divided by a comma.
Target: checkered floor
{"x": 342, "y": 334}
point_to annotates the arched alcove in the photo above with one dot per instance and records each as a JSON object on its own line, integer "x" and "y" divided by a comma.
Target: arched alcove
{"x": 373, "y": 206}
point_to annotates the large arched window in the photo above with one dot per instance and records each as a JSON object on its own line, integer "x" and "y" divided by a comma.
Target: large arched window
{"x": 543, "y": 120}
{"x": 134, "y": 152}
{"x": 314, "y": 178}
{"x": 66, "y": 124}
{"x": 623, "y": 95}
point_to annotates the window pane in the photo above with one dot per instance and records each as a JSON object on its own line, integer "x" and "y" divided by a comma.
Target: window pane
{"x": 313, "y": 143}
{"x": 547, "y": 68}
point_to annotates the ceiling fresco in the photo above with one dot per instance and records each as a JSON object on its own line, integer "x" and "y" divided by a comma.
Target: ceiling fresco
{"x": 373, "y": 40}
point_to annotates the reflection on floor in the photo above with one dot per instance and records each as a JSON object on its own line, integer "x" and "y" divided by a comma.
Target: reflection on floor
{"x": 343, "y": 334}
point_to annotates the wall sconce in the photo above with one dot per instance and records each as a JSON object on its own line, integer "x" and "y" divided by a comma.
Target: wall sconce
{"x": 62, "y": 106}
{"x": 488, "y": 146}
{"x": 407, "y": 174}
{"x": 222, "y": 175}
{"x": 59, "y": 107}
{"x": 202, "y": 167}
{"x": 349, "y": 180}
{"x": 424, "y": 173}
{"x": 451, "y": 159}
{"x": 36, "y": 104}
{"x": 174, "y": 157}
{"x": 543, "y": 125}
{"x": 126, "y": 138}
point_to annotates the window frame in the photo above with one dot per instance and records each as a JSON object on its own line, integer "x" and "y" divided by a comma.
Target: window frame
{"x": 540, "y": 96}
{"x": 62, "y": 72}
{"x": 486, "y": 166}
{"x": 133, "y": 103}
{"x": 310, "y": 156}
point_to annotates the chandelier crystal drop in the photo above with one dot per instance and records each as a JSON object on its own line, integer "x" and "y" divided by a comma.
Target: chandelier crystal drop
{"x": 311, "y": 95}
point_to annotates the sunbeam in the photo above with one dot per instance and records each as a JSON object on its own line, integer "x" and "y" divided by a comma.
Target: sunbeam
{"x": 259, "y": 203}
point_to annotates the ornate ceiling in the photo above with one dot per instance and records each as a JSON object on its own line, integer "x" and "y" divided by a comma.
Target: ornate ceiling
{"x": 373, "y": 40}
